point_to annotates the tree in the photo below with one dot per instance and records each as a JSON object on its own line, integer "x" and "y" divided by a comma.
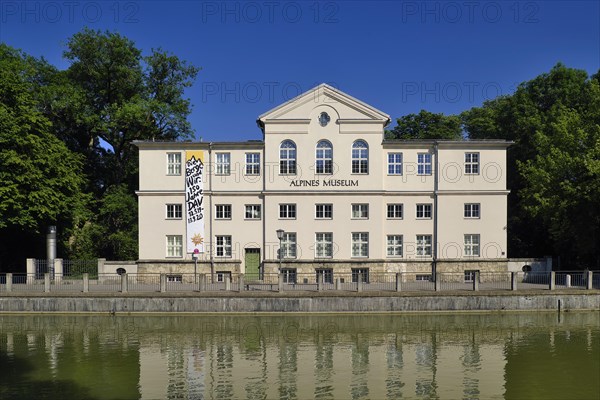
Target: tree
{"x": 40, "y": 178}
{"x": 114, "y": 232}
{"x": 111, "y": 95}
{"x": 553, "y": 170}
{"x": 125, "y": 97}
{"x": 118, "y": 96}
{"x": 73, "y": 131}
{"x": 426, "y": 125}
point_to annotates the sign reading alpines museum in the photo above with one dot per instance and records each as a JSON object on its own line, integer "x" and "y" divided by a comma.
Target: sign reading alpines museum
{"x": 324, "y": 183}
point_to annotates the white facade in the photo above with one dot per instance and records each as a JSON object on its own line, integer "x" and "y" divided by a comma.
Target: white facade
{"x": 345, "y": 197}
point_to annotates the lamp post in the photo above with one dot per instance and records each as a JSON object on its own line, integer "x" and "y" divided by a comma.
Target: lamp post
{"x": 280, "y": 233}
{"x": 195, "y": 257}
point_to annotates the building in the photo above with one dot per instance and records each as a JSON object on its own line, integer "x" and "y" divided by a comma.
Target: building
{"x": 349, "y": 202}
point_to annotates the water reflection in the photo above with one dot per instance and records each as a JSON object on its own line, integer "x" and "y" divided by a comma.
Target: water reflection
{"x": 301, "y": 357}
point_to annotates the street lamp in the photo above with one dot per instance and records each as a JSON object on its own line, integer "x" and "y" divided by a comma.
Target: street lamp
{"x": 195, "y": 257}
{"x": 280, "y": 233}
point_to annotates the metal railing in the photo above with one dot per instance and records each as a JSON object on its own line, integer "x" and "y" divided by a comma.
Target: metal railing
{"x": 285, "y": 282}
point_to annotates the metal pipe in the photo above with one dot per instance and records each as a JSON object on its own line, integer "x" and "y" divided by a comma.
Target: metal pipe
{"x": 51, "y": 249}
{"x": 51, "y": 243}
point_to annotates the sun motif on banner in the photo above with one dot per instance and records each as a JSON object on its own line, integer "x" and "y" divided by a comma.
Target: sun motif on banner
{"x": 197, "y": 239}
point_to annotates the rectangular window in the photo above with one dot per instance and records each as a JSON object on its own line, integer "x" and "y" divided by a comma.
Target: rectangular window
{"x": 324, "y": 275}
{"x": 223, "y": 275}
{"x": 360, "y": 244}
{"x": 289, "y": 275}
{"x": 223, "y": 246}
{"x": 423, "y": 164}
{"x": 423, "y": 211}
{"x": 324, "y": 211}
{"x": 253, "y": 211}
{"x": 423, "y": 277}
{"x": 470, "y": 275}
{"x": 471, "y": 210}
{"x": 288, "y": 245}
{"x": 223, "y": 163}
{"x": 394, "y": 163}
{"x": 174, "y": 246}
{"x": 223, "y": 211}
{"x": 287, "y": 211}
{"x": 324, "y": 245}
{"x": 472, "y": 245}
{"x": 174, "y": 211}
{"x": 360, "y": 273}
{"x": 360, "y": 211}
{"x": 424, "y": 245}
{"x": 394, "y": 211}
{"x": 175, "y": 278}
{"x": 173, "y": 163}
{"x": 394, "y": 245}
{"x": 252, "y": 163}
{"x": 471, "y": 163}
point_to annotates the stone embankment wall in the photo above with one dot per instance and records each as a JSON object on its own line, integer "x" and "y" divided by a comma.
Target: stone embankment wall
{"x": 299, "y": 303}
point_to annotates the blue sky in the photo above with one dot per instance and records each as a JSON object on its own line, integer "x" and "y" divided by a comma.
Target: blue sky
{"x": 399, "y": 56}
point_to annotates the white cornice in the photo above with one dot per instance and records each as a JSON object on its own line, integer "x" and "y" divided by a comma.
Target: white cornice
{"x": 359, "y": 121}
{"x": 472, "y": 192}
{"x": 288, "y": 121}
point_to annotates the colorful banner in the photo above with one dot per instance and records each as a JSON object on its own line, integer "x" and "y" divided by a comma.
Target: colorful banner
{"x": 194, "y": 209}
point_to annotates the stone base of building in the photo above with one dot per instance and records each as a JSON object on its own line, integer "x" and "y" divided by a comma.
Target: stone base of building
{"x": 450, "y": 270}
{"x": 338, "y": 266}
{"x": 187, "y": 267}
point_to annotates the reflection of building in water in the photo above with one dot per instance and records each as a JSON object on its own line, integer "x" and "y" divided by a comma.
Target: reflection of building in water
{"x": 356, "y": 366}
{"x": 171, "y": 369}
{"x": 376, "y": 357}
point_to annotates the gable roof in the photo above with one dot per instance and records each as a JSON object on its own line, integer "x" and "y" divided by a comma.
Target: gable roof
{"x": 370, "y": 112}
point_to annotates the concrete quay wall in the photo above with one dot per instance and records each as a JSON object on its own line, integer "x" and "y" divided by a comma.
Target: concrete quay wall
{"x": 299, "y": 303}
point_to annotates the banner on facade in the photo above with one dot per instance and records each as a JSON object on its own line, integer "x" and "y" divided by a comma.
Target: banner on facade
{"x": 194, "y": 208}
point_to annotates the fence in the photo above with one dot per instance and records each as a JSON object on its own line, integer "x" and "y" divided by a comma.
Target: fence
{"x": 289, "y": 282}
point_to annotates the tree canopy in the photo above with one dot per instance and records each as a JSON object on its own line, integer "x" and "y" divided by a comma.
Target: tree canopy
{"x": 426, "y": 125}
{"x": 66, "y": 152}
{"x": 554, "y": 165}
{"x": 41, "y": 180}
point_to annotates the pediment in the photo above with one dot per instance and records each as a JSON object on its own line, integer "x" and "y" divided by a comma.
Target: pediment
{"x": 345, "y": 108}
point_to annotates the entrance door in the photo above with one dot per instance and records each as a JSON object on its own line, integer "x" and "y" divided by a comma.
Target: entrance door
{"x": 252, "y": 262}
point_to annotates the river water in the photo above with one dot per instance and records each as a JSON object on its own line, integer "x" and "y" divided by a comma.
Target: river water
{"x": 357, "y": 356}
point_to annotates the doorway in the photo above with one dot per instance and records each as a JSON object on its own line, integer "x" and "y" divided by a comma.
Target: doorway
{"x": 252, "y": 264}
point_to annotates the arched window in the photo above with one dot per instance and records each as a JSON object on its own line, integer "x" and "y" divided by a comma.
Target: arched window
{"x": 360, "y": 157}
{"x": 324, "y": 157}
{"x": 287, "y": 158}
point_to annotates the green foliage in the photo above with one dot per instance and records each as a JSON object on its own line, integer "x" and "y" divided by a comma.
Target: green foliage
{"x": 40, "y": 178}
{"x": 123, "y": 96}
{"x": 426, "y": 125}
{"x": 113, "y": 232}
{"x": 553, "y": 173}
{"x": 66, "y": 153}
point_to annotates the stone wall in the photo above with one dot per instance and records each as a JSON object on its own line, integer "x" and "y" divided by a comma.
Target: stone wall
{"x": 186, "y": 267}
{"x": 536, "y": 264}
{"x": 354, "y": 303}
{"x": 493, "y": 270}
{"x": 111, "y": 267}
{"x": 412, "y": 270}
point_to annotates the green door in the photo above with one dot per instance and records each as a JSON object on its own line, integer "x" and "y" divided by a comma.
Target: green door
{"x": 252, "y": 263}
